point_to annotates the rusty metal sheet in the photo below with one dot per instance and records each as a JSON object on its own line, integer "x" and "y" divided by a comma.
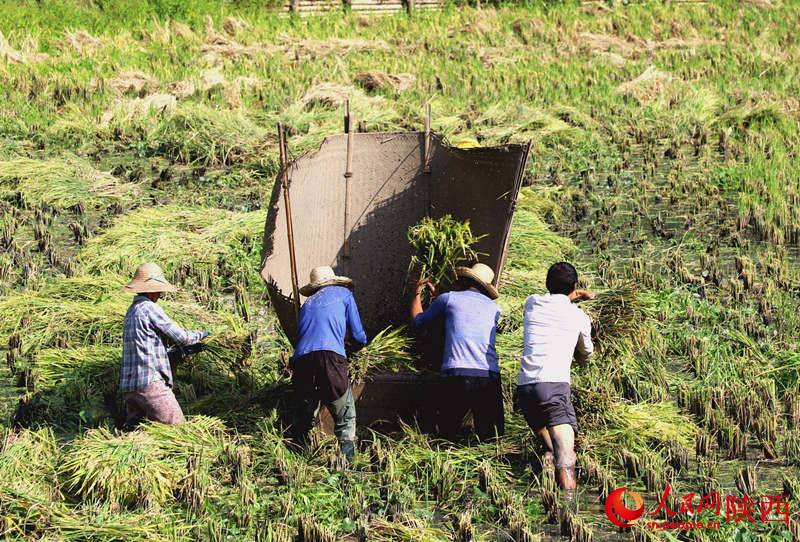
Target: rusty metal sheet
{"x": 389, "y": 192}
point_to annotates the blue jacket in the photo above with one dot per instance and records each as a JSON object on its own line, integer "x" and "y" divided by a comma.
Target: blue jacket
{"x": 324, "y": 320}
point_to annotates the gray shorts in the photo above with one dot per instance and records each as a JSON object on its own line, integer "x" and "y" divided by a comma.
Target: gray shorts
{"x": 546, "y": 404}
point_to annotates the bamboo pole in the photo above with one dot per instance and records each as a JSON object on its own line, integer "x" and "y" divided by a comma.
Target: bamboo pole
{"x": 289, "y": 231}
{"x": 348, "y": 174}
{"x": 427, "y": 138}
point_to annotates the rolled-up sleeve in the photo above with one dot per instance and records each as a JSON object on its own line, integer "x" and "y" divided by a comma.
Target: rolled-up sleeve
{"x": 584, "y": 348}
{"x": 433, "y": 311}
{"x": 354, "y": 321}
{"x": 169, "y": 328}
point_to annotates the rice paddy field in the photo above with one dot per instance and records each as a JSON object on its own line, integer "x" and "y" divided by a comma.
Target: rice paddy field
{"x": 664, "y": 164}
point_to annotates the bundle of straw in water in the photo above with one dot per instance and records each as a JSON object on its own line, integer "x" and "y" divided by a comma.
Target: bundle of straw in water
{"x": 439, "y": 245}
{"x": 386, "y": 353}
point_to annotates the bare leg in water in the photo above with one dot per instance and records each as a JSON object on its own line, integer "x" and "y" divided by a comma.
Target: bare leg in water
{"x": 563, "y": 441}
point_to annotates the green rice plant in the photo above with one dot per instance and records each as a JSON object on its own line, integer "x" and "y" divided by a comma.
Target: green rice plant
{"x": 197, "y": 433}
{"x": 387, "y": 352}
{"x": 124, "y": 471}
{"x": 95, "y": 365}
{"x": 197, "y": 133}
{"x": 62, "y": 182}
{"x": 439, "y": 246}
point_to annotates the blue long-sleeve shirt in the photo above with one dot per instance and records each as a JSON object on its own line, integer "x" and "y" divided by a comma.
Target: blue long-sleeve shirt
{"x": 324, "y": 320}
{"x": 470, "y": 327}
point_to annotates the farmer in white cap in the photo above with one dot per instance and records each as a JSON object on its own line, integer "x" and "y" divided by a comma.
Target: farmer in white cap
{"x": 469, "y": 366}
{"x": 319, "y": 363}
{"x": 146, "y": 376}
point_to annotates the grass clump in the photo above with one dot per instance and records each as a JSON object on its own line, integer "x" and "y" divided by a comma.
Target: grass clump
{"x": 124, "y": 471}
{"x": 145, "y": 468}
{"x": 439, "y": 246}
{"x": 197, "y": 133}
{"x": 198, "y": 240}
{"x": 62, "y": 182}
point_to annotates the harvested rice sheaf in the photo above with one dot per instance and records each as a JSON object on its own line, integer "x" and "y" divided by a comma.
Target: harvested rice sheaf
{"x": 142, "y": 468}
{"x": 199, "y": 239}
{"x": 63, "y": 182}
{"x": 124, "y": 471}
{"x": 196, "y": 133}
{"x": 619, "y": 314}
{"x": 387, "y": 352}
{"x": 439, "y": 246}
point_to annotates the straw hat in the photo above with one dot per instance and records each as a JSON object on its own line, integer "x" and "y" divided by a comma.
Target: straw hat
{"x": 324, "y": 276}
{"x": 149, "y": 278}
{"x": 482, "y": 274}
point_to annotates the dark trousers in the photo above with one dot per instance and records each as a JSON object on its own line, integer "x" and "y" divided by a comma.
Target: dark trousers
{"x": 481, "y": 395}
{"x": 318, "y": 378}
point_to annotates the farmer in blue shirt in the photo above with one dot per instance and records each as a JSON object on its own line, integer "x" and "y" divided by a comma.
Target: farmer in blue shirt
{"x": 469, "y": 366}
{"x": 319, "y": 363}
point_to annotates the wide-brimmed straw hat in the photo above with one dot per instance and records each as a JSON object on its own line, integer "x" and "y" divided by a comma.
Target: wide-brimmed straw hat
{"x": 482, "y": 274}
{"x": 324, "y": 276}
{"x": 149, "y": 278}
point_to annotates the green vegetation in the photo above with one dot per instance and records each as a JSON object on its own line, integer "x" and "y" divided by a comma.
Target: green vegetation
{"x": 664, "y": 164}
{"x": 439, "y": 246}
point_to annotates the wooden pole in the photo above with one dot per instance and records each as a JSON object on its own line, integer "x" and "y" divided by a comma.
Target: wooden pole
{"x": 427, "y": 138}
{"x": 346, "y": 116}
{"x": 348, "y": 174}
{"x": 287, "y": 204}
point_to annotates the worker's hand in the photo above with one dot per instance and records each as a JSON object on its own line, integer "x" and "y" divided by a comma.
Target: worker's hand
{"x": 577, "y": 295}
{"x": 204, "y": 335}
{"x": 424, "y": 283}
{"x": 362, "y": 351}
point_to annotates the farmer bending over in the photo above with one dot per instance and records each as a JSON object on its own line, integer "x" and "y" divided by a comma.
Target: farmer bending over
{"x": 469, "y": 366}
{"x": 146, "y": 375}
{"x": 319, "y": 363}
{"x": 555, "y": 330}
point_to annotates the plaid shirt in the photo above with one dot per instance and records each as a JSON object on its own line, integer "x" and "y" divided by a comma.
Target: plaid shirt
{"x": 144, "y": 352}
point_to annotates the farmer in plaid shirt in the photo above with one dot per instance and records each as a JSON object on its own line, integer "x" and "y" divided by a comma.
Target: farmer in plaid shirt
{"x": 146, "y": 376}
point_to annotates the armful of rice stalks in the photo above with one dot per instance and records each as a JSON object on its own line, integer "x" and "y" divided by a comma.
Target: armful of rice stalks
{"x": 439, "y": 245}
